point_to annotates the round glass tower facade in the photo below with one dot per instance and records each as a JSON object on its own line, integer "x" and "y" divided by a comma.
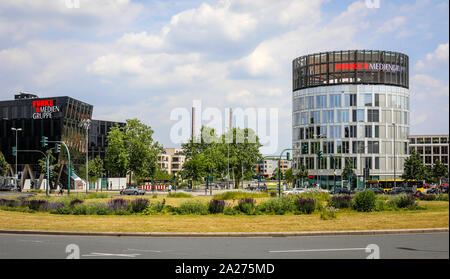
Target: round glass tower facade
{"x": 350, "y": 107}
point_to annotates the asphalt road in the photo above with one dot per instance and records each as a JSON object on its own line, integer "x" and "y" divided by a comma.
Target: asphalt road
{"x": 399, "y": 246}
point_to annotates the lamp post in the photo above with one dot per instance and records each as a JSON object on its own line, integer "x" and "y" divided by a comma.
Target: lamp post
{"x": 16, "y": 130}
{"x": 395, "y": 159}
{"x": 86, "y": 123}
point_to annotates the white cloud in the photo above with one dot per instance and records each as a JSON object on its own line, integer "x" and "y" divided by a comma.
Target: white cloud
{"x": 438, "y": 58}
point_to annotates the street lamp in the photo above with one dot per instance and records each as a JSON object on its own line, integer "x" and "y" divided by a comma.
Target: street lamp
{"x": 395, "y": 159}
{"x": 86, "y": 123}
{"x": 16, "y": 130}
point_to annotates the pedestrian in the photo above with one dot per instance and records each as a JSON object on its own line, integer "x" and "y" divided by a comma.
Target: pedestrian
{"x": 170, "y": 189}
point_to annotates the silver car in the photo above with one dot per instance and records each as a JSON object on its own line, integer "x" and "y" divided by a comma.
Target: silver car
{"x": 132, "y": 191}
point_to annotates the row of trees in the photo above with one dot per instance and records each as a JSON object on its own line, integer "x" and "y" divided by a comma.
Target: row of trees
{"x": 235, "y": 152}
{"x": 414, "y": 168}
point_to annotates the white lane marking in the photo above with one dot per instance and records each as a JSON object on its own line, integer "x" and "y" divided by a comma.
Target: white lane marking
{"x": 35, "y": 241}
{"x": 318, "y": 250}
{"x": 149, "y": 251}
{"x": 95, "y": 254}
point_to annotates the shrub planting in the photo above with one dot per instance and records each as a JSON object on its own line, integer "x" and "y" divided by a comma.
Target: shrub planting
{"x": 138, "y": 205}
{"x": 154, "y": 208}
{"x": 229, "y": 210}
{"x": 192, "y": 207}
{"x": 179, "y": 195}
{"x": 328, "y": 213}
{"x": 276, "y": 206}
{"x": 305, "y": 206}
{"x": 216, "y": 206}
{"x": 118, "y": 206}
{"x": 236, "y": 195}
{"x": 247, "y": 205}
{"x": 75, "y": 202}
{"x": 404, "y": 201}
{"x": 35, "y": 204}
{"x": 341, "y": 201}
{"x": 364, "y": 201}
{"x": 9, "y": 203}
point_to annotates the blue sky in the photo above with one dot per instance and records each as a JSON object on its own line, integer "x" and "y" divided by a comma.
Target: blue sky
{"x": 145, "y": 58}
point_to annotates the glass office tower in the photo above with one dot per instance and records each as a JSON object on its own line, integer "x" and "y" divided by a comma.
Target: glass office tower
{"x": 353, "y": 107}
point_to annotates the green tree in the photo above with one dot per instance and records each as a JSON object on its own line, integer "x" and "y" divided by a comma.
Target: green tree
{"x": 131, "y": 150}
{"x": 54, "y": 167}
{"x": 439, "y": 171}
{"x": 95, "y": 169}
{"x": 414, "y": 168}
{"x": 288, "y": 176}
{"x": 4, "y": 166}
{"x": 208, "y": 153}
{"x": 161, "y": 174}
{"x": 302, "y": 173}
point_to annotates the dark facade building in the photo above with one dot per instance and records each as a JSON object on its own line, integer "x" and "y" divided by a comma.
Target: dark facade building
{"x": 98, "y": 133}
{"x": 57, "y": 118}
{"x": 351, "y": 107}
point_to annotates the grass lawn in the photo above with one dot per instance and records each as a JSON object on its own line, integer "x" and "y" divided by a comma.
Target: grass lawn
{"x": 435, "y": 216}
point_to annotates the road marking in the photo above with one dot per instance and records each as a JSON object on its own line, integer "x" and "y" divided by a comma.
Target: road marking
{"x": 35, "y": 241}
{"x": 318, "y": 250}
{"x": 150, "y": 251}
{"x": 95, "y": 254}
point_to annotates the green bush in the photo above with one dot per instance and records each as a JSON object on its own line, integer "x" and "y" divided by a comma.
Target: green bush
{"x": 154, "y": 208}
{"x": 192, "y": 207}
{"x": 247, "y": 206}
{"x": 236, "y": 195}
{"x": 364, "y": 201}
{"x": 404, "y": 201}
{"x": 179, "y": 195}
{"x": 276, "y": 206}
{"x": 228, "y": 210}
{"x": 96, "y": 196}
{"x": 216, "y": 206}
{"x": 305, "y": 206}
{"x": 442, "y": 197}
{"x": 328, "y": 213}
{"x": 428, "y": 197}
{"x": 341, "y": 201}
{"x": 79, "y": 209}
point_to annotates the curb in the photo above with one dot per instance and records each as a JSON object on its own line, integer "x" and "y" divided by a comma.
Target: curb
{"x": 228, "y": 234}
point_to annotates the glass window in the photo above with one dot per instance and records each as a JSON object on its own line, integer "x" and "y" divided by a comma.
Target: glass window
{"x": 350, "y": 100}
{"x": 373, "y": 147}
{"x": 358, "y": 115}
{"x": 373, "y": 115}
{"x": 377, "y": 100}
{"x": 321, "y": 101}
{"x": 377, "y": 163}
{"x": 368, "y": 131}
{"x": 328, "y": 116}
{"x": 335, "y": 100}
{"x": 358, "y": 147}
{"x": 343, "y": 116}
{"x": 315, "y": 117}
{"x": 367, "y": 100}
{"x": 377, "y": 131}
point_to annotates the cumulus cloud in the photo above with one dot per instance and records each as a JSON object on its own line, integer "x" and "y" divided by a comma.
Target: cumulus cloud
{"x": 438, "y": 58}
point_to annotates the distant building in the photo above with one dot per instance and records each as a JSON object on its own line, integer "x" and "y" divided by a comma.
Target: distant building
{"x": 98, "y": 133}
{"x": 171, "y": 160}
{"x": 267, "y": 167}
{"x": 430, "y": 148}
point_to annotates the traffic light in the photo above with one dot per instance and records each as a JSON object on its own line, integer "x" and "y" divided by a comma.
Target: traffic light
{"x": 305, "y": 149}
{"x": 14, "y": 151}
{"x": 319, "y": 154}
{"x": 57, "y": 148}
{"x": 50, "y": 174}
{"x": 44, "y": 141}
{"x": 288, "y": 156}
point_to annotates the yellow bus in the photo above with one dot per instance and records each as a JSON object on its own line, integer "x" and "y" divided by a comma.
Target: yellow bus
{"x": 387, "y": 184}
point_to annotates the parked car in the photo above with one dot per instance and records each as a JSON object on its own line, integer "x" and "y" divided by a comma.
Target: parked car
{"x": 338, "y": 191}
{"x": 132, "y": 190}
{"x": 9, "y": 184}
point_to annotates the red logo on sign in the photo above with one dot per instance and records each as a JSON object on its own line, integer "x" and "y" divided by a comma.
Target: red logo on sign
{"x": 352, "y": 66}
{"x": 42, "y": 103}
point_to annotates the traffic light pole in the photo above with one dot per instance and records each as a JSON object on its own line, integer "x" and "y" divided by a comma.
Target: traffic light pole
{"x": 68, "y": 164}
{"x": 47, "y": 163}
{"x": 279, "y": 170}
